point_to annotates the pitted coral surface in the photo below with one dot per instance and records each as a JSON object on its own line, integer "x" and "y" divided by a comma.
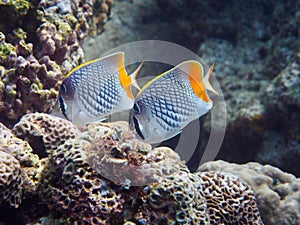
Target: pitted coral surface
{"x": 76, "y": 179}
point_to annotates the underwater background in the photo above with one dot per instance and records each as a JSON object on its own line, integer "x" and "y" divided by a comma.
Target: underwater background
{"x": 49, "y": 168}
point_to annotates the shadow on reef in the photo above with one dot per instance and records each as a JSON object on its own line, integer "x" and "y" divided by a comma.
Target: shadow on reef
{"x": 9, "y": 216}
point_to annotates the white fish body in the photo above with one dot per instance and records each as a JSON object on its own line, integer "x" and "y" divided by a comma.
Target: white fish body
{"x": 169, "y": 102}
{"x": 96, "y": 89}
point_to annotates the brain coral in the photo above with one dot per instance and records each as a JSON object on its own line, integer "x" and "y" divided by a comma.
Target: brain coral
{"x": 229, "y": 199}
{"x": 277, "y": 193}
{"x": 200, "y": 198}
{"x": 44, "y": 132}
{"x": 10, "y": 180}
{"x": 176, "y": 198}
{"x": 91, "y": 178}
{"x": 71, "y": 186}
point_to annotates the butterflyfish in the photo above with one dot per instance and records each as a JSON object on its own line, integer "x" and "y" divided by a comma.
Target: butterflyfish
{"x": 96, "y": 89}
{"x": 170, "y": 101}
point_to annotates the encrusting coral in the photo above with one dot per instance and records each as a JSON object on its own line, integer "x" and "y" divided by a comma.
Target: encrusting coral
{"x": 35, "y": 55}
{"x": 277, "y": 193}
{"x": 102, "y": 175}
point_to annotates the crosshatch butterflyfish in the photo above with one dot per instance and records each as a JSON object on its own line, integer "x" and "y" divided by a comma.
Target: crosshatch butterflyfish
{"x": 96, "y": 89}
{"x": 170, "y": 101}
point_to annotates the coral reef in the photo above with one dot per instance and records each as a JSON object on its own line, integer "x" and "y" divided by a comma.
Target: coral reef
{"x": 102, "y": 175}
{"x": 10, "y": 180}
{"x": 54, "y": 173}
{"x": 236, "y": 204}
{"x": 39, "y": 45}
{"x": 258, "y": 78}
{"x": 28, "y": 162}
{"x": 92, "y": 175}
{"x": 70, "y": 185}
{"x": 24, "y": 82}
{"x": 84, "y": 191}
{"x": 44, "y": 132}
{"x": 282, "y": 98}
{"x": 277, "y": 192}
{"x": 19, "y": 148}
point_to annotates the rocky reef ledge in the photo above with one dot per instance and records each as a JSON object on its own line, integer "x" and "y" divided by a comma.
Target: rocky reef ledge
{"x": 55, "y": 173}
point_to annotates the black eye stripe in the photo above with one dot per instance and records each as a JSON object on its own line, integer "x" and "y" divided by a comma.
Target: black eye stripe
{"x": 62, "y": 106}
{"x": 137, "y": 128}
{"x": 136, "y": 108}
{"x": 63, "y": 88}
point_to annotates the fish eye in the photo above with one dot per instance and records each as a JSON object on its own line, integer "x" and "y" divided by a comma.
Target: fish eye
{"x": 136, "y": 108}
{"x": 63, "y": 88}
{"x": 137, "y": 127}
